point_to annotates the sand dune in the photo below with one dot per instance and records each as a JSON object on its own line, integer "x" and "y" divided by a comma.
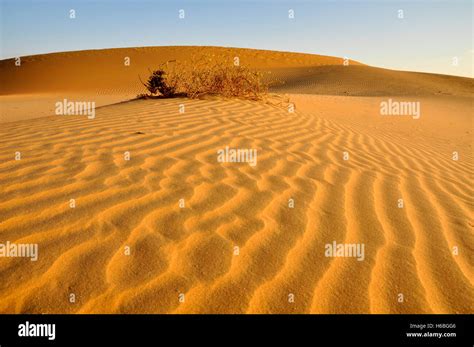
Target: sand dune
{"x": 103, "y": 77}
{"x": 135, "y": 203}
{"x": 105, "y": 71}
{"x": 113, "y": 75}
{"x": 358, "y": 80}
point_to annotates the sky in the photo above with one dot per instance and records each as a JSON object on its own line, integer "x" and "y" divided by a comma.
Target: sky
{"x": 432, "y": 36}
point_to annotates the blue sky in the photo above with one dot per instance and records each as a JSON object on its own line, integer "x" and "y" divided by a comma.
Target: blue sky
{"x": 427, "y": 39}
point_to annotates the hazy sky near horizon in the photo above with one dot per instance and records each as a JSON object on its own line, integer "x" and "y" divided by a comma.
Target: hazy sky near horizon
{"x": 428, "y": 38}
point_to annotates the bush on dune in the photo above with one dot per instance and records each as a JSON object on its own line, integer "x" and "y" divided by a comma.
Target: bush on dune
{"x": 157, "y": 84}
{"x": 206, "y": 76}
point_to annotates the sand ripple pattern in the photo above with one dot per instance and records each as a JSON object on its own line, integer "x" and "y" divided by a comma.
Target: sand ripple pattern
{"x": 190, "y": 250}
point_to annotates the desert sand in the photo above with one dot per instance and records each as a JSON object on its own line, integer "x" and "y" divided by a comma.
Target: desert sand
{"x": 183, "y": 259}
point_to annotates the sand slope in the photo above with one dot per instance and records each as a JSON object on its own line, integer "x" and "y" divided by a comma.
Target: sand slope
{"x": 357, "y": 80}
{"x": 102, "y": 76}
{"x": 191, "y": 250}
{"x": 105, "y": 70}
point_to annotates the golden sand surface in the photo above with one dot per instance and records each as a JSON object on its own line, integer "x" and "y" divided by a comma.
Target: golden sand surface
{"x": 234, "y": 244}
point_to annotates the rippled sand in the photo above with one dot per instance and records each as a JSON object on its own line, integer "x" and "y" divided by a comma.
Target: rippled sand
{"x": 191, "y": 250}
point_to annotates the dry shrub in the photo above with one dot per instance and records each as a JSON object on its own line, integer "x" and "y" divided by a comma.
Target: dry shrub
{"x": 207, "y": 75}
{"x": 158, "y": 83}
